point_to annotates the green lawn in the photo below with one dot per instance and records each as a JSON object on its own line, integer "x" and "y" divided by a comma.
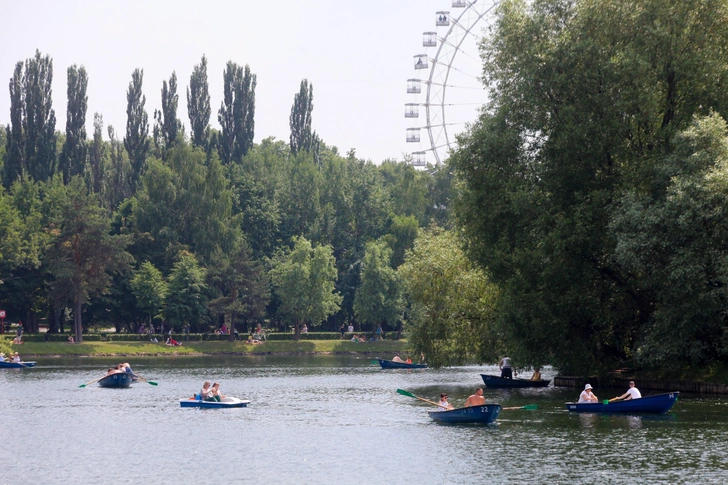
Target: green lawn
{"x": 383, "y": 348}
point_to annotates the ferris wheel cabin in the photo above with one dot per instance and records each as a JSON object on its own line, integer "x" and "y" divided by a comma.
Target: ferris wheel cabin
{"x": 418, "y": 159}
{"x": 414, "y": 86}
{"x": 429, "y": 39}
{"x": 413, "y": 135}
{"x": 421, "y": 61}
{"x": 411, "y": 110}
{"x": 443, "y": 19}
{"x": 459, "y": 4}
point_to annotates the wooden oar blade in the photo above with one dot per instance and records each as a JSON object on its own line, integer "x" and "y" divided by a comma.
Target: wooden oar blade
{"x": 406, "y": 393}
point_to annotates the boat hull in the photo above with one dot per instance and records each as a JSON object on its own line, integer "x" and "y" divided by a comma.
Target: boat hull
{"x": 228, "y": 402}
{"x": 496, "y": 382}
{"x": 16, "y": 365}
{"x": 119, "y": 380}
{"x": 658, "y": 404}
{"x": 388, "y": 364}
{"x": 485, "y": 414}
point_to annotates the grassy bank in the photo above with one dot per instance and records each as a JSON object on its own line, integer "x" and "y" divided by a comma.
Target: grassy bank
{"x": 385, "y": 348}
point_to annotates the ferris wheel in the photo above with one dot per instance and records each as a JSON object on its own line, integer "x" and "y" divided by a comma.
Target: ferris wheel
{"x": 450, "y": 70}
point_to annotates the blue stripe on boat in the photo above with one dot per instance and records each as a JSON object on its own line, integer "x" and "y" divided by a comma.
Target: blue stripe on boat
{"x": 388, "y": 364}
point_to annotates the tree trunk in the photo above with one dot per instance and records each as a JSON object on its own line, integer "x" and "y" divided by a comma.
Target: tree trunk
{"x": 77, "y": 321}
{"x": 296, "y": 331}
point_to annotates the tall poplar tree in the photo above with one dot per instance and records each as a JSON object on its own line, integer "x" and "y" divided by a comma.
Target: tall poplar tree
{"x": 198, "y": 104}
{"x": 96, "y": 155}
{"x": 167, "y": 124}
{"x": 237, "y": 112}
{"x": 15, "y": 143}
{"x": 300, "y": 121}
{"x": 39, "y": 120}
{"x": 136, "y": 140}
{"x": 73, "y": 155}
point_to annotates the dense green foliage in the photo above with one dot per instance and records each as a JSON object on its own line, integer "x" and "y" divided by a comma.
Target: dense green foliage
{"x": 579, "y": 181}
{"x": 452, "y": 313}
{"x": 185, "y": 231}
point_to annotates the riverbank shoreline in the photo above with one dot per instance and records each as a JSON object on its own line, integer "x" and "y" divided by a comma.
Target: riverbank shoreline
{"x": 30, "y": 350}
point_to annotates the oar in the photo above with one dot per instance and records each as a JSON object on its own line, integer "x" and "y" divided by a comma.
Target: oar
{"x": 607, "y": 401}
{"x": 374, "y": 362}
{"x": 97, "y": 380}
{"x": 409, "y": 394}
{"x": 527, "y": 407}
{"x": 144, "y": 380}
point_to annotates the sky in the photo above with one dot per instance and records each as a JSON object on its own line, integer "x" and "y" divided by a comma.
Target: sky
{"x": 357, "y": 54}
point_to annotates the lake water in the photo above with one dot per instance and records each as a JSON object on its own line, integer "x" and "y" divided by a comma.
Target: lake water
{"x": 332, "y": 420}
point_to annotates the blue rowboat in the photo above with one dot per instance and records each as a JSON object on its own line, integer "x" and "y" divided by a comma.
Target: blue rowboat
{"x": 484, "y": 414}
{"x": 228, "y": 402}
{"x": 388, "y": 364}
{"x": 496, "y": 382}
{"x": 16, "y": 365}
{"x": 659, "y": 403}
{"x": 118, "y": 379}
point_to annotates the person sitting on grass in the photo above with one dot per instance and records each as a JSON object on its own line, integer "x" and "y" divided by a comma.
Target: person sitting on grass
{"x": 355, "y": 338}
{"x": 71, "y": 340}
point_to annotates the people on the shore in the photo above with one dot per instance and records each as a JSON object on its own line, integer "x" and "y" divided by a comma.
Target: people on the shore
{"x": 476, "y": 399}
{"x": 536, "y": 374}
{"x": 342, "y": 330}
{"x": 444, "y": 404}
{"x": 587, "y": 395}
{"x": 304, "y": 329}
{"x": 632, "y": 393}
{"x": 71, "y": 340}
{"x": 350, "y": 329}
{"x": 505, "y": 368}
{"x": 379, "y": 332}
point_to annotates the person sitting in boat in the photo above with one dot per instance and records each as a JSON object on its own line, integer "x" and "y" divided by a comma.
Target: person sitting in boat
{"x": 444, "y": 405}
{"x": 536, "y": 374}
{"x": 126, "y": 367}
{"x": 476, "y": 399}
{"x": 397, "y": 358}
{"x": 587, "y": 395}
{"x": 206, "y": 392}
{"x": 632, "y": 393}
{"x": 112, "y": 370}
{"x": 2, "y": 357}
{"x": 215, "y": 393}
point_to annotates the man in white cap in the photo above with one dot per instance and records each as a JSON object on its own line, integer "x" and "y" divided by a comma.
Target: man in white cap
{"x": 2, "y": 357}
{"x": 587, "y": 395}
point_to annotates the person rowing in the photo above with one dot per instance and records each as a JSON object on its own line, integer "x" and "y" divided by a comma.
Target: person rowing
{"x": 397, "y": 358}
{"x": 632, "y": 393}
{"x": 444, "y": 405}
{"x": 476, "y": 399}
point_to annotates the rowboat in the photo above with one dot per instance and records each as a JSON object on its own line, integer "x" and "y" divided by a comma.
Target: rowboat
{"x": 496, "y": 382}
{"x": 388, "y": 364}
{"x": 118, "y": 379}
{"x": 473, "y": 414}
{"x": 659, "y": 403}
{"x": 16, "y": 365}
{"x": 228, "y": 402}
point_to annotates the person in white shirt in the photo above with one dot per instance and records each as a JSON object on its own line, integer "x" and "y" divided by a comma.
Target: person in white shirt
{"x": 444, "y": 405}
{"x": 505, "y": 368}
{"x": 632, "y": 393}
{"x": 587, "y": 395}
{"x": 2, "y": 357}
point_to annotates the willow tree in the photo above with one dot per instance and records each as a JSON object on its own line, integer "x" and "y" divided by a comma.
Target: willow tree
{"x": 378, "y": 300}
{"x": 303, "y": 280}
{"x": 586, "y": 99}
{"x": 452, "y": 303}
